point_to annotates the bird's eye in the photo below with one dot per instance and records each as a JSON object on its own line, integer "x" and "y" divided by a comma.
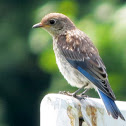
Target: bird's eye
{"x": 52, "y": 21}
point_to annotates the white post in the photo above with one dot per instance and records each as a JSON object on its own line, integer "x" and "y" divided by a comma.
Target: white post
{"x": 63, "y": 110}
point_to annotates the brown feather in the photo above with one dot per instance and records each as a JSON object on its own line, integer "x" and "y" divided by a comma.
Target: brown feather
{"x": 75, "y": 45}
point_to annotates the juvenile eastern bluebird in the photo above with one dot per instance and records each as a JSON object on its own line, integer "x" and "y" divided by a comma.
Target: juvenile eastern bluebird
{"x": 78, "y": 59}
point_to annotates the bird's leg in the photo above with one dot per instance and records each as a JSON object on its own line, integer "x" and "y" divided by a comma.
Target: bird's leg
{"x": 83, "y": 93}
{"x": 75, "y": 93}
{"x": 81, "y": 96}
{"x": 72, "y": 94}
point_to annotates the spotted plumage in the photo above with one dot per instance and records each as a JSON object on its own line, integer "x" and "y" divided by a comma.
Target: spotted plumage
{"x": 83, "y": 52}
{"x": 78, "y": 59}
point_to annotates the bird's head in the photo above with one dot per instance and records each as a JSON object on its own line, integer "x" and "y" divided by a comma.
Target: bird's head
{"x": 55, "y": 23}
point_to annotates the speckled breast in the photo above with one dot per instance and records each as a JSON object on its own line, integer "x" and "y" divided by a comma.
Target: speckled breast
{"x": 73, "y": 76}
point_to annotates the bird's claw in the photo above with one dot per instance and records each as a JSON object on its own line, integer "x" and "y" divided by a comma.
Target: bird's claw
{"x": 67, "y": 93}
{"x": 64, "y": 92}
{"x": 84, "y": 96}
{"x": 81, "y": 96}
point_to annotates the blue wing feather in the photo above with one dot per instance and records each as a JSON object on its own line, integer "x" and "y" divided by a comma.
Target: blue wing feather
{"x": 83, "y": 56}
{"x": 87, "y": 73}
{"x": 109, "y": 103}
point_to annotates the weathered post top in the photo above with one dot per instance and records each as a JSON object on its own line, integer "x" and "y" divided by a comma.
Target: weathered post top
{"x": 62, "y": 110}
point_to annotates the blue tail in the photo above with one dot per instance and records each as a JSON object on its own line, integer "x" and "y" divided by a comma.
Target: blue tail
{"x": 110, "y": 106}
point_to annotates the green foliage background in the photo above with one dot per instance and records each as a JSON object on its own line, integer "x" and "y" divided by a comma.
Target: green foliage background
{"x": 28, "y": 69}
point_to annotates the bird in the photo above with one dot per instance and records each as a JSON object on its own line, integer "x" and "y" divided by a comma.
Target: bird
{"x": 78, "y": 59}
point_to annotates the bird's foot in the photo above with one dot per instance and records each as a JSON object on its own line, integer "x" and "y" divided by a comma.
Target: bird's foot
{"x": 65, "y": 93}
{"x": 83, "y": 93}
{"x": 81, "y": 96}
{"x": 84, "y": 96}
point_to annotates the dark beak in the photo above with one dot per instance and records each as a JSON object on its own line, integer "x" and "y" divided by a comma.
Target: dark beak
{"x": 38, "y": 25}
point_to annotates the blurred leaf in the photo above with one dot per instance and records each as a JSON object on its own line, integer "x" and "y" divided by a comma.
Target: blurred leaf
{"x": 117, "y": 82}
{"x": 58, "y": 83}
{"x": 89, "y": 27}
{"x": 49, "y": 7}
{"x": 38, "y": 40}
{"x": 68, "y": 7}
{"x": 103, "y": 12}
{"x": 47, "y": 61}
